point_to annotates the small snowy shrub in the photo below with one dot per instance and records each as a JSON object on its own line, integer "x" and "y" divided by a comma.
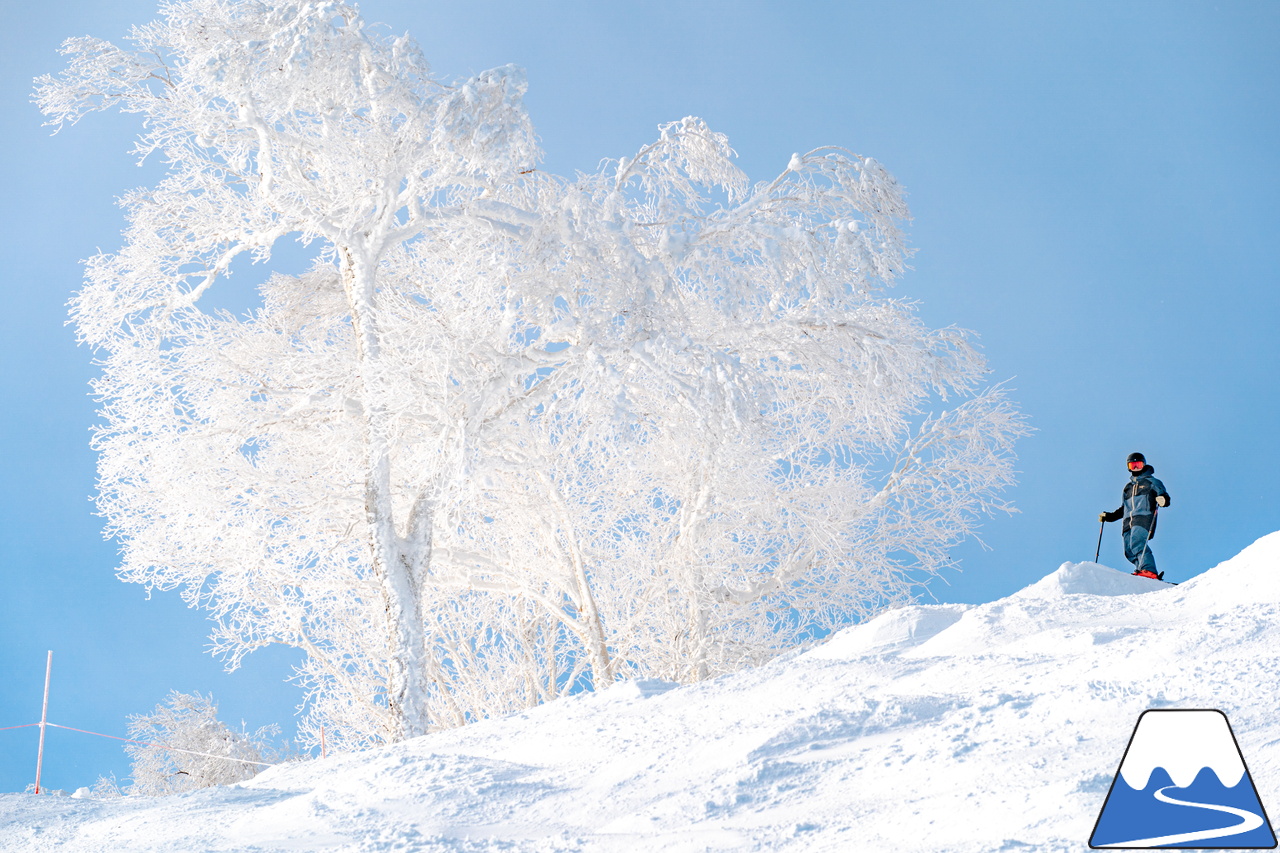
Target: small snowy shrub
{"x": 107, "y": 787}
{"x": 189, "y": 722}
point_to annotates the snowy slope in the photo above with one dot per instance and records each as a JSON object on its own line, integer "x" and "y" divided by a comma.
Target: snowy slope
{"x": 931, "y": 728}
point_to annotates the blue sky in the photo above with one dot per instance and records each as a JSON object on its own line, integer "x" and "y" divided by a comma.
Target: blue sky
{"x": 1095, "y": 188}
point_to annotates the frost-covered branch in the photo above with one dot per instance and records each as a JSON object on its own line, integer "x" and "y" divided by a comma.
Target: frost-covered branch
{"x": 510, "y": 435}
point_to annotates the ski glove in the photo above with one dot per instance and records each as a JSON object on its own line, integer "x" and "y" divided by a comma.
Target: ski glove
{"x": 1162, "y": 500}
{"x": 1102, "y": 516}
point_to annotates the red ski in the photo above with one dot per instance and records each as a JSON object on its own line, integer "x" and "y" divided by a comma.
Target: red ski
{"x": 1146, "y": 573}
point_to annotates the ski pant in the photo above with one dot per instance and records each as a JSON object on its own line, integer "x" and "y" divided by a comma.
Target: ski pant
{"x": 1136, "y": 549}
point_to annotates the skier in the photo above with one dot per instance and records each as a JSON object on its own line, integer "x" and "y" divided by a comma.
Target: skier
{"x": 1143, "y": 496}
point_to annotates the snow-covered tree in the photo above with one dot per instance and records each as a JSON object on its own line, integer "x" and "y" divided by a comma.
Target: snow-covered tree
{"x": 183, "y": 746}
{"x": 511, "y": 434}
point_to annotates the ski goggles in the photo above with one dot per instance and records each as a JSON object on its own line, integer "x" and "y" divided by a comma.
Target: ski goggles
{"x": 1137, "y": 465}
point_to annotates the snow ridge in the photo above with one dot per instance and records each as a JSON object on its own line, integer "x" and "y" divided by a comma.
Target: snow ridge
{"x": 932, "y": 728}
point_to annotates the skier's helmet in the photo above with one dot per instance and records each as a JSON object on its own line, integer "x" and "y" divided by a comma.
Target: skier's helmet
{"x": 1136, "y": 462}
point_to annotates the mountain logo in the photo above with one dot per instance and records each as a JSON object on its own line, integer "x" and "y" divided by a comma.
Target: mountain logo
{"x": 1183, "y": 784}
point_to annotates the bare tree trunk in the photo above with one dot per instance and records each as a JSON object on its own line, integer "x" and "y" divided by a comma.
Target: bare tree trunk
{"x": 393, "y": 567}
{"x": 598, "y": 644}
{"x": 588, "y": 626}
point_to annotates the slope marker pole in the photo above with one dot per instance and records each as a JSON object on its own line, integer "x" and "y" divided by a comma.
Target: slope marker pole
{"x": 44, "y": 718}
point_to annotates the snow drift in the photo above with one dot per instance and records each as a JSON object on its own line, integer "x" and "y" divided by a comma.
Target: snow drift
{"x": 932, "y": 728}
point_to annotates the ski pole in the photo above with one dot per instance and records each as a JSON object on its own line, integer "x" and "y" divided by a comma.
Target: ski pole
{"x": 1098, "y": 552}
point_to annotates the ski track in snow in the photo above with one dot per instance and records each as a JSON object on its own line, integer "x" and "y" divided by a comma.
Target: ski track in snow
{"x": 995, "y": 727}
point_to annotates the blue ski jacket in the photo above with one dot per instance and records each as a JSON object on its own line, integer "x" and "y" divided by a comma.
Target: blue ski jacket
{"x": 1139, "y": 505}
